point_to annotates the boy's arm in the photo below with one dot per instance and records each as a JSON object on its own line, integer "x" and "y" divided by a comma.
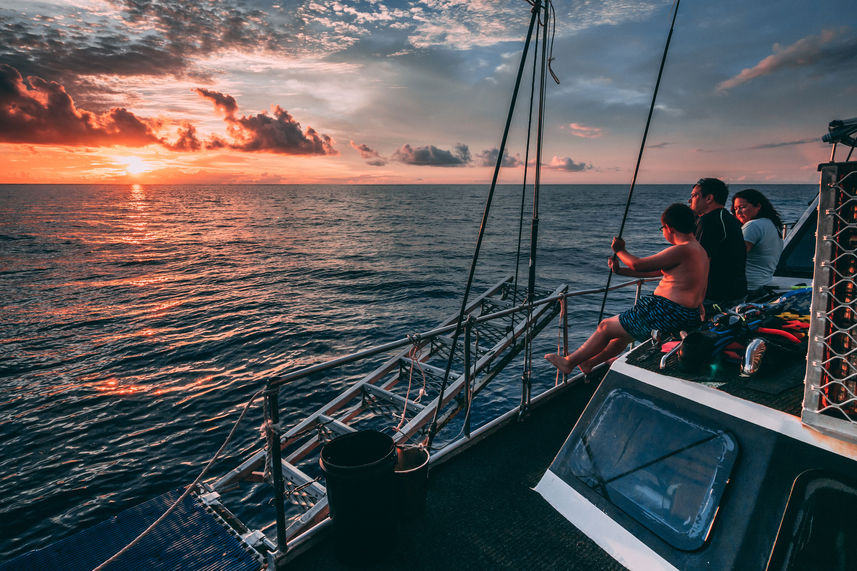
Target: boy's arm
{"x": 620, "y": 271}
{"x": 663, "y": 260}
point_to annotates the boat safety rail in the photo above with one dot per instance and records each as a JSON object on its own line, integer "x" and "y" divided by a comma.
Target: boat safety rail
{"x": 287, "y": 449}
{"x": 353, "y": 357}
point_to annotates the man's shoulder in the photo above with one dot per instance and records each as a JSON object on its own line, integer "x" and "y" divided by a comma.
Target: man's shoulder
{"x": 714, "y": 216}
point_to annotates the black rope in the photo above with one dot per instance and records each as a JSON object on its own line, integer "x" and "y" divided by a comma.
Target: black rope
{"x": 534, "y": 229}
{"x": 482, "y": 226}
{"x": 526, "y": 168}
{"x": 642, "y": 147}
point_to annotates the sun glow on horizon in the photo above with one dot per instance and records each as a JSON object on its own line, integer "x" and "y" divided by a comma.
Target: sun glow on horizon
{"x": 135, "y": 165}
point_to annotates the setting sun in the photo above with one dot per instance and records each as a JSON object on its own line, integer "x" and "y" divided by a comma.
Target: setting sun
{"x": 135, "y": 165}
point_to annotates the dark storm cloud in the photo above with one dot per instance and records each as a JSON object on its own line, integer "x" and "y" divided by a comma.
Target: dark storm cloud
{"x": 371, "y": 156}
{"x": 279, "y": 133}
{"x": 432, "y": 156}
{"x": 41, "y": 112}
{"x": 488, "y": 158}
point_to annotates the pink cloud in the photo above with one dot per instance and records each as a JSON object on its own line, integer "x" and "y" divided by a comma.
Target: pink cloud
{"x": 584, "y": 131}
{"x": 41, "y": 112}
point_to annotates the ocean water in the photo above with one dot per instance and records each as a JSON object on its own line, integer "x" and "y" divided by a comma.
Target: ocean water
{"x": 137, "y": 321}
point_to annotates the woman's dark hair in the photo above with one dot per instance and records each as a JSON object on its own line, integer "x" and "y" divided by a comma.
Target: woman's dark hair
{"x": 680, "y": 218}
{"x": 756, "y": 198}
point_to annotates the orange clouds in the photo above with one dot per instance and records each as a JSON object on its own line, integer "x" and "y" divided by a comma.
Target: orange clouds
{"x": 43, "y": 113}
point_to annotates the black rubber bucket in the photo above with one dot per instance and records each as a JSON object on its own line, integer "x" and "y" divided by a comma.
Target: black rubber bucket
{"x": 358, "y": 471}
{"x": 411, "y": 475}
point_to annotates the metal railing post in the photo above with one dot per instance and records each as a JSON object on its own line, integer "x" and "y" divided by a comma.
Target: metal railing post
{"x": 639, "y": 289}
{"x": 563, "y": 312}
{"x": 274, "y": 453}
{"x": 468, "y": 328}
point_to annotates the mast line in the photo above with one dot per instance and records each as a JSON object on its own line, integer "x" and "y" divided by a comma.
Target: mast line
{"x": 642, "y": 147}
{"x": 433, "y": 429}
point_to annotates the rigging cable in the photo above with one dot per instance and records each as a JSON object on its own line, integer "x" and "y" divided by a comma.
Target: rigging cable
{"x": 433, "y": 428}
{"x": 642, "y": 147}
{"x": 526, "y": 168}
{"x": 526, "y": 377}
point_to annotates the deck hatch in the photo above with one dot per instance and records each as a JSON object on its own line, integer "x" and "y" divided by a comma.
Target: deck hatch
{"x": 818, "y": 526}
{"x": 666, "y": 471}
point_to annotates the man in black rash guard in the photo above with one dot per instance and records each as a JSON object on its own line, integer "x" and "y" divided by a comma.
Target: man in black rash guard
{"x": 720, "y": 234}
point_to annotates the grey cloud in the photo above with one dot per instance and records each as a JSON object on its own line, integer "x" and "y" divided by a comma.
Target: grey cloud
{"x": 488, "y": 158}
{"x": 433, "y": 156}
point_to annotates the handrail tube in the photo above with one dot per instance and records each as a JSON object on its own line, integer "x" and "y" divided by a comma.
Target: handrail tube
{"x": 443, "y": 399}
{"x": 271, "y": 401}
{"x": 468, "y": 329}
{"x": 346, "y": 359}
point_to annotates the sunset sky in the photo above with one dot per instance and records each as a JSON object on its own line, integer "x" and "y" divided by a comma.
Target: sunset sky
{"x": 417, "y": 91}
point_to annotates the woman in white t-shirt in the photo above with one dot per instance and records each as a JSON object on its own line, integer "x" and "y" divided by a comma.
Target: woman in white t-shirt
{"x": 761, "y": 226}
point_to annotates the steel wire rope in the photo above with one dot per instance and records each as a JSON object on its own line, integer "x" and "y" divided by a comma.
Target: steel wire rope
{"x": 526, "y": 168}
{"x": 642, "y": 147}
{"x": 433, "y": 428}
{"x": 526, "y": 375}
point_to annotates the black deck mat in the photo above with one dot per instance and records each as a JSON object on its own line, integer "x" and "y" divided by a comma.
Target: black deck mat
{"x": 189, "y": 538}
{"x": 481, "y": 511}
{"x": 780, "y": 389}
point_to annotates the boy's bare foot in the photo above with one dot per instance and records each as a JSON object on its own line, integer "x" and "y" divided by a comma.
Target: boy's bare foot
{"x": 559, "y": 362}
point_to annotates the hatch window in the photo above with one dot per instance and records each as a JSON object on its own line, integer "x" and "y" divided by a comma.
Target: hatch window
{"x": 665, "y": 470}
{"x": 818, "y": 527}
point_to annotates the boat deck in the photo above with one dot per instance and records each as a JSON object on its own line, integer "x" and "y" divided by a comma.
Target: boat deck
{"x": 781, "y": 389}
{"x": 481, "y": 511}
{"x": 190, "y": 537}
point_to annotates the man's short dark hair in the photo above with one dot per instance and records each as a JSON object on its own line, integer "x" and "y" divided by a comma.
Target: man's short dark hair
{"x": 715, "y": 187}
{"x": 680, "y": 218}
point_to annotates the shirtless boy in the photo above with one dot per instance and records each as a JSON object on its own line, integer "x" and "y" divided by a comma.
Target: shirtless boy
{"x": 676, "y": 301}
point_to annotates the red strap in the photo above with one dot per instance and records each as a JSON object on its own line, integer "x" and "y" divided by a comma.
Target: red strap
{"x": 779, "y": 332}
